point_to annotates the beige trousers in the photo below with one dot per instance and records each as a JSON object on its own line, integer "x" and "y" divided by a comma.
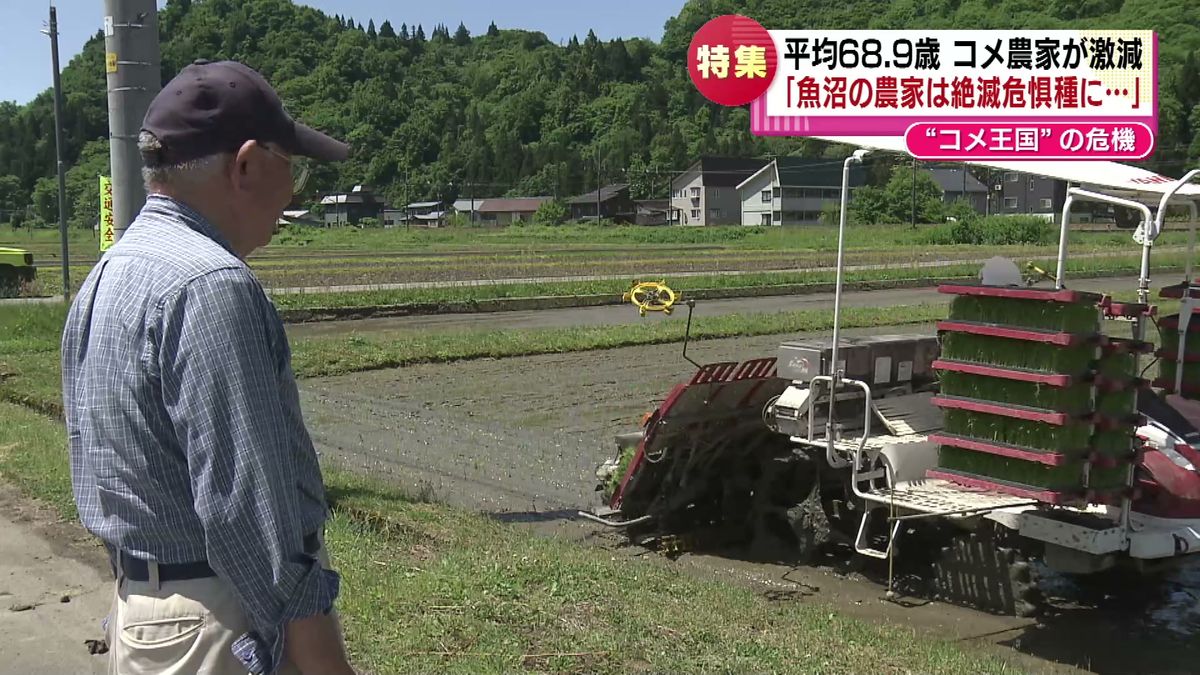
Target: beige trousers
{"x": 179, "y": 627}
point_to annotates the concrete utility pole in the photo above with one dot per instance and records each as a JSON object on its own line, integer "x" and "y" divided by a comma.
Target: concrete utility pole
{"x": 597, "y": 185}
{"x": 133, "y": 67}
{"x": 58, "y": 149}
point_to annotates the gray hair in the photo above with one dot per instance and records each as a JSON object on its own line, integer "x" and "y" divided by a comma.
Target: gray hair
{"x": 190, "y": 172}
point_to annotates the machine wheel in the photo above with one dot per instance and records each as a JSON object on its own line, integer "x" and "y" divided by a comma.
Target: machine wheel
{"x": 843, "y": 511}
{"x": 989, "y": 570}
{"x": 782, "y": 513}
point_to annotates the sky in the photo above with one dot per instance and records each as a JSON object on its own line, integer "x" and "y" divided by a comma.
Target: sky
{"x": 26, "y": 70}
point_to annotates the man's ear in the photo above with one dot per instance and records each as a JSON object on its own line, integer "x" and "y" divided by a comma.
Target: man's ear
{"x": 245, "y": 163}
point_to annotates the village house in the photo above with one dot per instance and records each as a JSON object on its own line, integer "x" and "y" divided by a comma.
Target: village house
{"x": 350, "y": 208}
{"x": 958, "y": 184}
{"x": 615, "y": 204}
{"x": 707, "y": 194}
{"x": 500, "y": 211}
{"x": 794, "y": 190}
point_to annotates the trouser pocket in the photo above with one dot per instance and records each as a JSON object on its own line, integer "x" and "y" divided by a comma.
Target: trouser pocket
{"x": 164, "y": 642}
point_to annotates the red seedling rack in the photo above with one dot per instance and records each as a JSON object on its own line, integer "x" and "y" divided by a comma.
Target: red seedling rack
{"x": 1063, "y": 295}
{"x": 1026, "y": 334}
{"x": 1018, "y": 374}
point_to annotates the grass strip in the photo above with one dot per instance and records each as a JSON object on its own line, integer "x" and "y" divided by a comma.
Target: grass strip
{"x": 30, "y": 335}
{"x": 321, "y": 356}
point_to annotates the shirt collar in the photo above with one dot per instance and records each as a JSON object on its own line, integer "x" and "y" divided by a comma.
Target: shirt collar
{"x": 166, "y": 205}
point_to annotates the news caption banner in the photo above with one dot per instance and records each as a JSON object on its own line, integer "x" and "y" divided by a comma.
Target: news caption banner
{"x": 952, "y": 94}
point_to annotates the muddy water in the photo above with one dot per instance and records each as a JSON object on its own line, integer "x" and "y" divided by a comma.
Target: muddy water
{"x": 521, "y": 438}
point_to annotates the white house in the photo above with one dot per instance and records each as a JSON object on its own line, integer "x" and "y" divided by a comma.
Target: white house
{"x": 706, "y": 193}
{"x": 794, "y": 190}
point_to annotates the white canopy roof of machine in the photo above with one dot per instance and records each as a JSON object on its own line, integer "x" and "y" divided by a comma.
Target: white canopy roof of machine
{"x": 1110, "y": 177}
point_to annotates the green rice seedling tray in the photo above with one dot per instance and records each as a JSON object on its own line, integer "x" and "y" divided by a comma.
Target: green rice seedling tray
{"x": 1074, "y": 400}
{"x": 1018, "y": 432}
{"x": 1068, "y": 476}
{"x": 1025, "y": 454}
{"x": 1033, "y": 357}
{"x": 1032, "y": 314}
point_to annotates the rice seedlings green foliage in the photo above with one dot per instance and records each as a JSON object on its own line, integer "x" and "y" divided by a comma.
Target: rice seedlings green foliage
{"x": 1072, "y": 438}
{"x": 1075, "y": 399}
{"x": 1038, "y": 314}
{"x": 1066, "y": 477}
{"x": 1006, "y": 353}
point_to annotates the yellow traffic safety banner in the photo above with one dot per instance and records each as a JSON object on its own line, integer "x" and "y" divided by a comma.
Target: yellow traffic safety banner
{"x": 107, "y": 235}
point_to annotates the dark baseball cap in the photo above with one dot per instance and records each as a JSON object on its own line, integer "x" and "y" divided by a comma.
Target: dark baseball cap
{"x": 212, "y": 107}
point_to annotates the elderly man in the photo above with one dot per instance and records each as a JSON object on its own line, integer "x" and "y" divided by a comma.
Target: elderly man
{"x": 189, "y": 456}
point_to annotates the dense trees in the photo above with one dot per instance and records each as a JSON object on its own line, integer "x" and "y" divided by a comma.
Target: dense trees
{"x": 509, "y": 111}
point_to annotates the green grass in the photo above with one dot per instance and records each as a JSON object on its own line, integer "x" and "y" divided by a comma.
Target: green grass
{"x": 29, "y": 355}
{"x": 320, "y": 356}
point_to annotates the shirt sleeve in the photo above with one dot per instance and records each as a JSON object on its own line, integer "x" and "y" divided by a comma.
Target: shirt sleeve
{"x": 220, "y": 380}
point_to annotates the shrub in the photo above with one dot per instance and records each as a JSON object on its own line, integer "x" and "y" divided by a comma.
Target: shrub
{"x": 993, "y": 231}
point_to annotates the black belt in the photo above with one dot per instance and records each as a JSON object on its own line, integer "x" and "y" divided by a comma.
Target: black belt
{"x": 136, "y": 569}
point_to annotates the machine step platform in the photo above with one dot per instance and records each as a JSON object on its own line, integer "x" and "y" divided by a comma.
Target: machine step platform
{"x": 935, "y": 496}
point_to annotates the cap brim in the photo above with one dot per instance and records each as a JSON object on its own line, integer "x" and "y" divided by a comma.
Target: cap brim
{"x": 312, "y": 143}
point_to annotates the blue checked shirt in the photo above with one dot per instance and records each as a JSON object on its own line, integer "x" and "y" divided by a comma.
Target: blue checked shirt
{"x": 186, "y": 437}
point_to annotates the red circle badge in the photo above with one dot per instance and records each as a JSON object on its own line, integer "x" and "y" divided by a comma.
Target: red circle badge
{"x": 732, "y": 60}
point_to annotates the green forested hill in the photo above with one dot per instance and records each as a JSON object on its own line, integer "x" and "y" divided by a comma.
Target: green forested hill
{"x": 435, "y": 112}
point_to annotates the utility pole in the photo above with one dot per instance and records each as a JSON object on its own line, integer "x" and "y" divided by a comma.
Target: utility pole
{"x": 597, "y": 184}
{"x": 987, "y": 203}
{"x": 134, "y": 73}
{"x": 914, "y": 193}
{"x": 58, "y": 149}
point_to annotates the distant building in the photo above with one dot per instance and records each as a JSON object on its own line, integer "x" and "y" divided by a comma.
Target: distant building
{"x": 299, "y": 217}
{"x": 706, "y": 193}
{"x": 509, "y": 211}
{"x": 394, "y": 217}
{"x": 958, "y": 183}
{"x": 1022, "y": 193}
{"x": 465, "y": 207}
{"x": 794, "y": 190}
{"x": 351, "y": 207}
{"x": 425, "y": 214}
{"x": 614, "y": 202}
{"x": 653, "y": 211}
